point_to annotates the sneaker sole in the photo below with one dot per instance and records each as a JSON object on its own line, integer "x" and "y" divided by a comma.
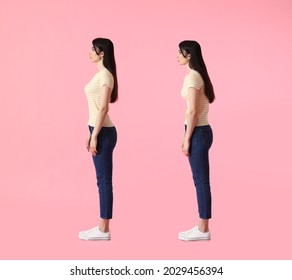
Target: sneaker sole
{"x": 194, "y": 239}
{"x": 93, "y": 238}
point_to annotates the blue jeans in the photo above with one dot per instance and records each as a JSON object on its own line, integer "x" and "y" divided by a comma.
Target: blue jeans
{"x": 201, "y": 142}
{"x": 103, "y": 162}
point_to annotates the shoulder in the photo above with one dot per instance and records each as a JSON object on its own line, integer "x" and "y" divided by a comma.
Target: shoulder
{"x": 105, "y": 77}
{"x": 195, "y": 79}
{"x": 195, "y": 75}
{"x": 106, "y": 73}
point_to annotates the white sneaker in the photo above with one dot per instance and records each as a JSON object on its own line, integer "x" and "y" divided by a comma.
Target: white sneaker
{"x": 94, "y": 234}
{"x": 194, "y": 234}
{"x": 85, "y": 231}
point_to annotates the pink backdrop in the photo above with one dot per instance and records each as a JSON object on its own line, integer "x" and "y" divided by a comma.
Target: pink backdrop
{"x": 48, "y": 190}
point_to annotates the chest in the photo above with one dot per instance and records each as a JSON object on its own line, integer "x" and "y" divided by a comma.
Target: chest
{"x": 92, "y": 88}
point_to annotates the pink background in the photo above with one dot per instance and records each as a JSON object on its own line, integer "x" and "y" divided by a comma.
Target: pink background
{"x": 48, "y": 190}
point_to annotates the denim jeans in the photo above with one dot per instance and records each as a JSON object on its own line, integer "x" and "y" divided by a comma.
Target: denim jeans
{"x": 103, "y": 162}
{"x": 201, "y": 142}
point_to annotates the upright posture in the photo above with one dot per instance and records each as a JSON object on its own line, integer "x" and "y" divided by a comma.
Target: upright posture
{"x": 102, "y": 136}
{"x": 198, "y": 137}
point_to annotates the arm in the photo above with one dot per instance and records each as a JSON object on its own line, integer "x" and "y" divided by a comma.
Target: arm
{"x": 192, "y": 117}
{"x": 88, "y": 138}
{"x": 101, "y": 114}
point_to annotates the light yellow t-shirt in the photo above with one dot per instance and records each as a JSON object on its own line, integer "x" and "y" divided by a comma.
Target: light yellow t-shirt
{"x": 194, "y": 80}
{"x": 93, "y": 90}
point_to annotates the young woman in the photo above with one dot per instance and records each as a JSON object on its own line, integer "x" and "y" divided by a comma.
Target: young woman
{"x": 198, "y": 92}
{"x": 102, "y": 137}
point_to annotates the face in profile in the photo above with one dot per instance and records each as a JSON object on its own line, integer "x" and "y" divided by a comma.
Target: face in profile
{"x": 94, "y": 56}
{"x": 182, "y": 60}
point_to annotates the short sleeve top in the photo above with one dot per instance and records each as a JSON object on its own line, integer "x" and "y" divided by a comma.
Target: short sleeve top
{"x": 194, "y": 80}
{"x": 93, "y": 91}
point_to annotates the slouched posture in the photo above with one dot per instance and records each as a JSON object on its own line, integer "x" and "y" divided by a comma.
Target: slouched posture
{"x": 102, "y": 135}
{"x": 198, "y": 92}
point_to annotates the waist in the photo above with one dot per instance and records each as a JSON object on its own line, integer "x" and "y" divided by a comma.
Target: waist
{"x": 103, "y": 128}
{"x": 201, "y": 127}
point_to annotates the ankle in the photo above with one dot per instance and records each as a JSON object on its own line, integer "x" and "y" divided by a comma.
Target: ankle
{"x": 104, "y": 225}
{"x": 203, "y": 225}
{"x": 203, "y": 228}
{"x": 103, "y": 228}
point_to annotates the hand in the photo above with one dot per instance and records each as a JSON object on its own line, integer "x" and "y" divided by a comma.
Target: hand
{"x": 186, "y": 148}
{"x": 93, "y": 146}
{"x": 88, "y": 142}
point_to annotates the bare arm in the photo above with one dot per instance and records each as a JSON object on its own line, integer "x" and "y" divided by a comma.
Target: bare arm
{"x": 191, "y": 117}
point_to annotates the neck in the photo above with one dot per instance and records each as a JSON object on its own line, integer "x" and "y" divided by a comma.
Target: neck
{"x": 100, "y": 65}
{"x": 188, "y": 68}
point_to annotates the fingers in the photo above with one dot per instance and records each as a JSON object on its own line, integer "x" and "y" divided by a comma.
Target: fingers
{"x": 185, "y": 149}
{"x": 87, "y": 144}
{"x": 93, "y": 151}
{"x": 92, "y": 146}
{"x": 186, "y": 153}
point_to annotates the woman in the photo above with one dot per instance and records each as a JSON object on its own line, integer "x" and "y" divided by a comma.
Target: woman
{"x": 198, "y": 92}
{"x": 102, "y": 137}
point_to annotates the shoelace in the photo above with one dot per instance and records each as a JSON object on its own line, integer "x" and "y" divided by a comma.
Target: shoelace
{"x": 92, "y": 231}
{"x": 191, "y": 231}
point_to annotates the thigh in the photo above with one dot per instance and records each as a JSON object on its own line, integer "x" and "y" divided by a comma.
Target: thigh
{"x": 103, "y": 161}
{"x": 199, "y": 162}
{"x": 199, "y": 154}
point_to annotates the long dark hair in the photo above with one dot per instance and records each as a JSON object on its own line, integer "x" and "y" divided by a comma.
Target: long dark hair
{"x": 107, "y": 47}
{"x": 197, "y": 63}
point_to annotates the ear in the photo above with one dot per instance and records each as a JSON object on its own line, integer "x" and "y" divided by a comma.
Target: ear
{"x": 101, "y": 54}
{"x": 188, "y": 56}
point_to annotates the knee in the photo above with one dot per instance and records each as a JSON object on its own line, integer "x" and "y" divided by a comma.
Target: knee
{"x": 203, "y": 184}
